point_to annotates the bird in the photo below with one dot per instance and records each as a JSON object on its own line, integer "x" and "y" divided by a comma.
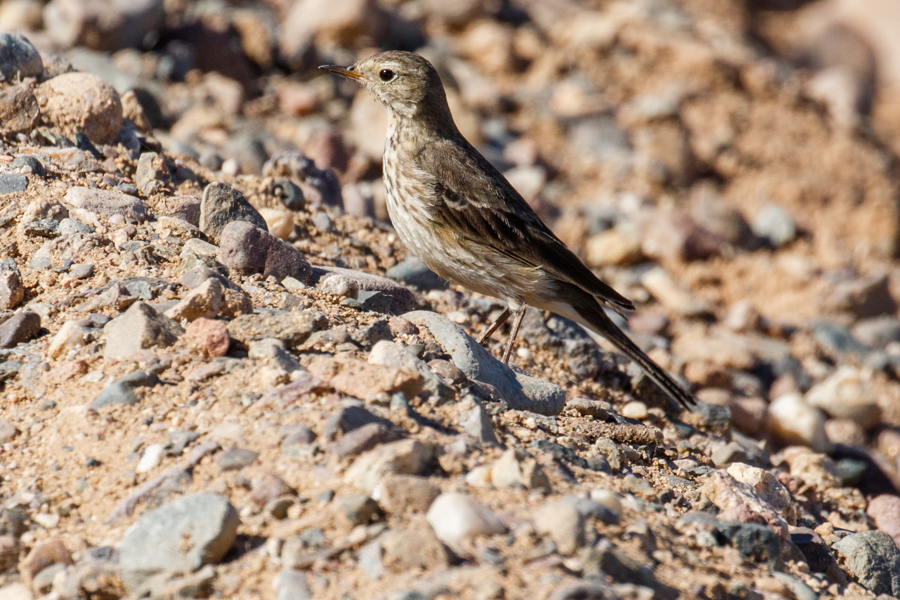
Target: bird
{"x": 458, "y": 214}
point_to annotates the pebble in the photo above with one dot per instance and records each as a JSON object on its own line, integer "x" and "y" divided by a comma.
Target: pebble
{"x": 11, "y": 183}
{"x": 179, "y": 537}
{"x": 70, "y": 335}
{"x": 365, "y": 380}
{"x": 794, "y": 421}
{"x": 203, "y": 301}
{"x": 19, "y": 111}
{"x": 85, "y": 204}
{"x": 768, "y": 487}
{"x": 121, "y": 391}
{"x": 415, "y": 273}
{"x": 222, "y": 204}
{"x": 402, "y": 298}
{"x": 392, "y": 354}
{"x": 354, "y": 510}
{"x": 291, "y": 585}
{"x": 81, "y": 102}
{"x": 885, "y": 511}
{"x": 740, "y": 502}
{"x": 476, "y": 421}
{"x": 663, "y": 288}
{"x": 365, "y": 438}
{"x": 563, "y": 523}
{"x": 247, "y": 249}
{"x": 279, "y": 222}
{"x": 757, "y": 542}
{"x": 269, "y": 488}
{"x": 8, "y": 431}
{"x": 20, "y": 328}
{"x": 403, "y": 494}
{"x": 516, "y": 469}
{"x": 289, "y": 194}
{"x": 150, "y": 458}
{"x": 457, "y": 518}
{"x": 813, "y": 468}
{"x": 413, "y": 547}
{"x": 635, "y": 410}
{"x": 12, "y": 292}
{"x": 871, "y": 557}
{"x": 46, "y": 552}
{"x": 235, "y": 459}
{"x": 292, "y": 328}
{"x": 521, "y": 392}
{"x": 863, "y": 297}
{"x": 847, "y": 394}
{"x": 405, "y": 457}
{"x": 18, "y": 58}
{"x": 138, "y": 328}
{"x": 615, "y": 246}
{"x": 773, "y": 223}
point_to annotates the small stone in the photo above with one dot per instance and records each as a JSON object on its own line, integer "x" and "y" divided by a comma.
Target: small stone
{"x": 70, "y": 335}
{"x": 221, "y": 205}
{"x": 81, "y": 103}
{"x": 774, "y": 224}
{"x": 179, "y": 537}
{"x": 635, "y": 410}
{"x": 812, "y": 467}
{"x": 122, "y": 390}
{"x": 415, "y": 273}
{"x": 458, "y": 518}
{"x": 358, "y": 509}
{"x": 364, "y": 438}
{"x": 847, "y": 394}
{"x": 299, "y": 435}
{"x": 476, "y": 421}
{"x": 292, "y": 328}
{"x": 209, "y": 336}
{"x": 613, "y": 247}
{"x": 8, "y": 431}
{"x": 364, "y": 380}
{"x": 81, "y": 271}
{"x": 414, "y": 547}
{"x": 347, "y": 282}
{"x": 45, "y": 553}
{"x": 863, "y": 297}
{"x": 150, "y": 458}
{"x": 204, "y": 301}
{"x": 564, "y": 524}
{"x": 402, "y": 494}
{"x": 247, "y": 249}
{"x": 289, "y": 194}
{"x": 19, "y": 328}
{"x": 19, "y": 111}
{"x": 756, "y": 542}
{"x": 726, "y": 454}
{"x": 670, "y": 295}
{"x": 18, "y": 58}
{"x": 89, "y": 203}
{"x": 792, "y": 420}
{"x": 768, "y": 487}
{"x": 11, "y": 183}
{"x": 871, "y": 557}
{"x": 12, "y": 292}
{"x": 235, "y": 459}
{"x": 391, "y": 354}
{"x": 102, "y": 26}
{"x": 136, "y": 329}
{"x": 516, "y": 469}
{"x": 280, "y": 222}
{"x": 152, "y": 175}
{"x": 740, "y": 502}
{"x": 405, "y": 457}
{"x": 269, "y": 488}
{"x": 291, "y": 585}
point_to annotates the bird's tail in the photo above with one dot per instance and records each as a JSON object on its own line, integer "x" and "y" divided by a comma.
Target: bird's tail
{"x": 594, "y": 318}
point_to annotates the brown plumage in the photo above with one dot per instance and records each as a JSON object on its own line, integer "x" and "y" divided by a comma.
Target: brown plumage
{"x": 463, "y": 219}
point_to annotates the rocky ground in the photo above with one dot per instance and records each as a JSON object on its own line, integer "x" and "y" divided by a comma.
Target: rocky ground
{"x": 222, "y": 376}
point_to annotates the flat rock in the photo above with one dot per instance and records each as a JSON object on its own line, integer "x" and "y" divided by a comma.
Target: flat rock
{"x": 11, "y": 183}
{"x": 138, "y": 328}
{"x": 364, "y": 380}
{"x": 405, "y": 457}
{"x": 402, "y": 299}
{"x": 179, "y": 537}
{"x": 414, "y": 272}
{"x": 521, "y": 392}
{"x": 222, "y": 204}
{"x": 122, "y": 390}
{"x": 292, "y": 328}
{"x": 105, "y": 203}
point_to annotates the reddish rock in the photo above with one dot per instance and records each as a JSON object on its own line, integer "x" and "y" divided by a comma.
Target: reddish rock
{"x": 208, "y": 335}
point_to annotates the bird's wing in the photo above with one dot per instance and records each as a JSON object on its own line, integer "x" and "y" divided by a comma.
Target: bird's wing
{"x": 477, "y": 203}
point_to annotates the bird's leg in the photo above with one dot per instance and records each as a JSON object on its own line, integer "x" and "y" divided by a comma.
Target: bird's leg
{"x": 494, "y": 326}
{"x": 520, "y": 314}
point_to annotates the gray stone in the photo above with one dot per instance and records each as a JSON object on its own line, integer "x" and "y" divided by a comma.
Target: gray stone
{"x": 290, "y": 195}
{"x": 877, "y": 332}
{"x": 28, "y": 164}
{"x": 46, "y": 228}
{"x": 873, "y": 559}
{"x": 81, "y": 271}
{"x": 11, "y": 183}
{"x": 179, "y": 537}
{"x": 18, "y": 58}
{"x": 774, "y": 224}
{"x": 152, "y": 174}
{"x": 291, "y": 585}
{"x": 105, "y": 203}
{"x": 19, "y": 328}
{"x": 476, "y": 421}
{"x": 757, "y": 542}
{"x": 221, "y": 205}
{"x": 365, "y": 438}
{"x": 358, "y": 509}
{"x": 299, "y": 435}
{"x": 521, "y": 392}
{"x": 121, "y": 391}
{"x": 320, "y": 186}
{"x": 292, "y": 328}
{"x": 70, "y": 226}
{"x": 414, "y": 272}
{"x": 247, "y": 249}
{"x": 138, "y": 328}
{"x": 330, "y": 277}
{"x": 392, "y": 354}
{"x": 235, "y": 459}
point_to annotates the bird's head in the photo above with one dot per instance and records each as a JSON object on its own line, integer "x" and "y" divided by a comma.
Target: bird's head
{"x": 404, "y": 82}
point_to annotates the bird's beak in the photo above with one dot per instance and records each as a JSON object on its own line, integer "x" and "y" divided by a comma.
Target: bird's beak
{"x": 343, "y": 72}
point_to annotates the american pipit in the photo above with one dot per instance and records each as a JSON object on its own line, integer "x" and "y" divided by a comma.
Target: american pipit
{"x": 458, "y": 214}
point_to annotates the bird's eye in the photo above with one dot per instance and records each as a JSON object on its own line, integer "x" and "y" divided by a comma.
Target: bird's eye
{"x": 386, "y": 74}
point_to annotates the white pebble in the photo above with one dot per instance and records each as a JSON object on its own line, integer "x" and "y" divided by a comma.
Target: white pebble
{"x": 635, "y": 410}
{"x": 457, "y": 518}
{"x": 150, "y": 459}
